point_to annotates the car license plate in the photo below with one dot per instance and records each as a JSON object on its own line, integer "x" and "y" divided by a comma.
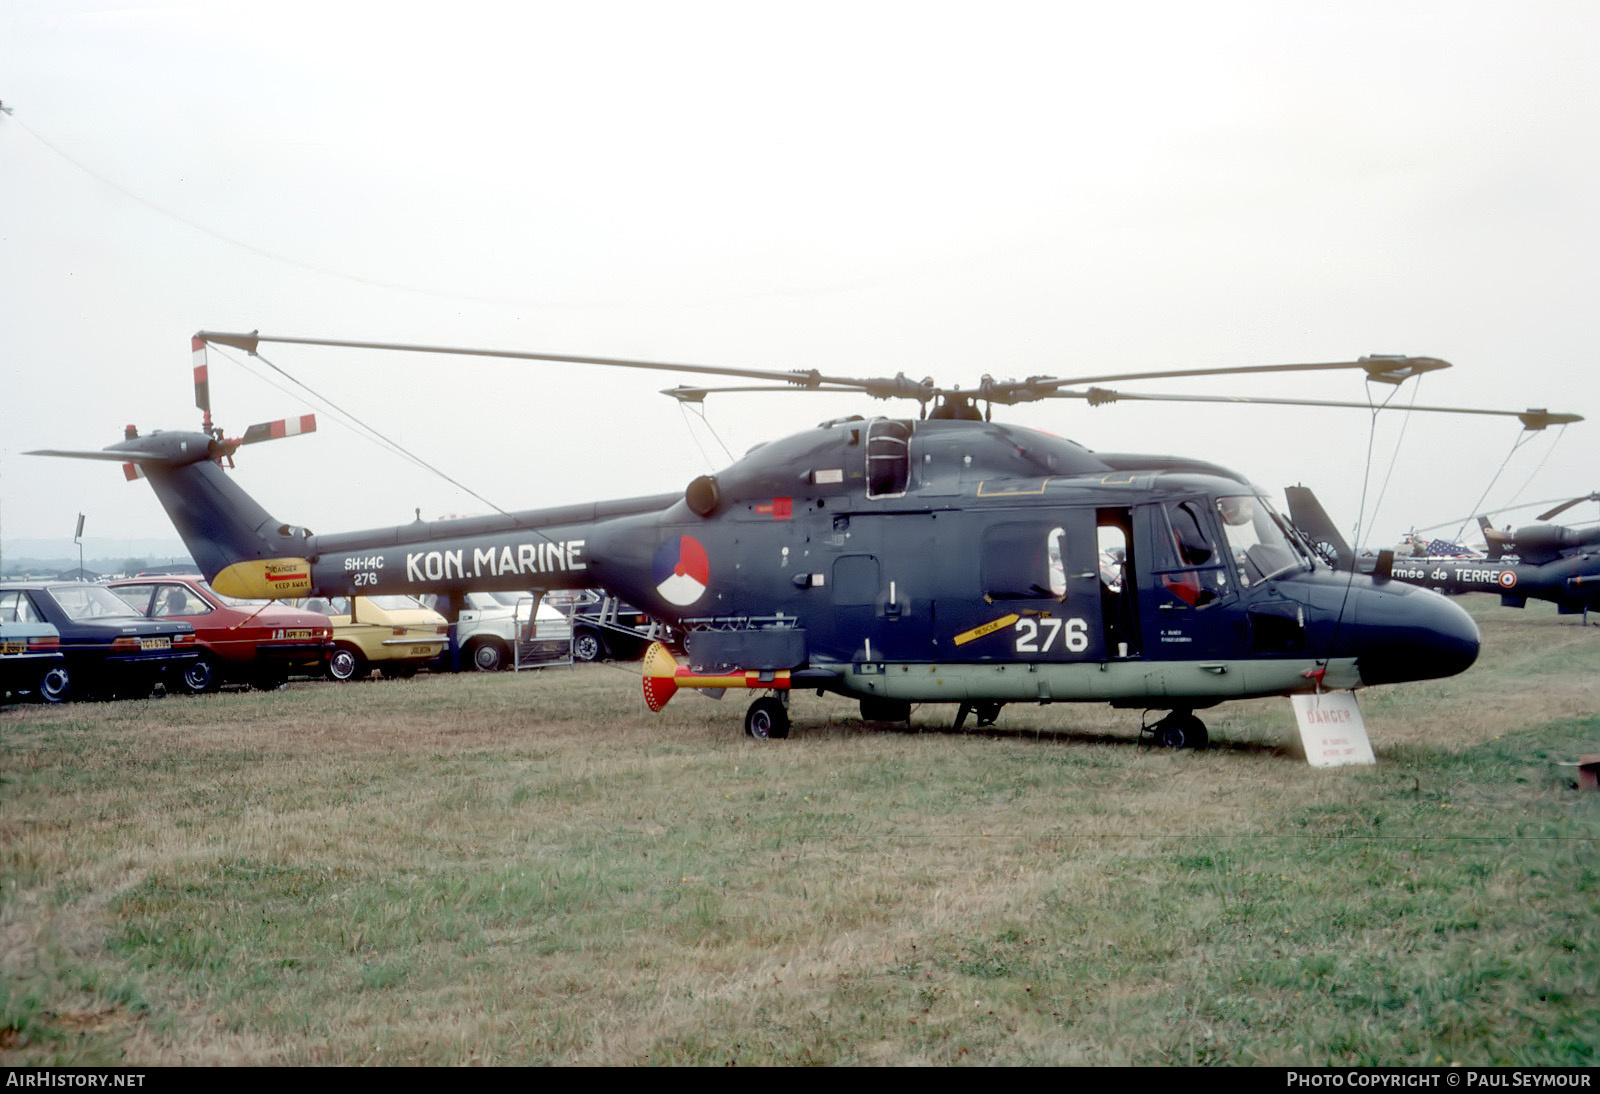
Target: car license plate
{"x": 12, "y": 647}
{"x": 155, "y": 643}
{"x": 297, "y": 634}
{"x": 422, "y": 651}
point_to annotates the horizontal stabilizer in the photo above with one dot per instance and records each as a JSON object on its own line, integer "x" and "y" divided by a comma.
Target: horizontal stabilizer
{"x": 99, "y": 454}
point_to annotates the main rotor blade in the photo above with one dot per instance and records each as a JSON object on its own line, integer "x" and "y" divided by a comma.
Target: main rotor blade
{"x": 795, "y": 377}
{"x": 1487, "y": 513}
{"x": 686, "y": 394}
{"x": 1387, "y": 368}
{"x": 1564, "y": 506}
{"x": 1531, "y": 419}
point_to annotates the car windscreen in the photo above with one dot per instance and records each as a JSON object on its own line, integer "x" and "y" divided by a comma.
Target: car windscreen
{"x": 233, "y": 601}
{"x": 397, "y": 603}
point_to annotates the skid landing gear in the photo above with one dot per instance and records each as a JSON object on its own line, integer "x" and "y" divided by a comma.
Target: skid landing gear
{"x": 767, "y": 719}
{"x": 1179, "y": 729}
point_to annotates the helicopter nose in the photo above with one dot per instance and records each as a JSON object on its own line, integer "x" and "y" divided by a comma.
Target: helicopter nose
{"x": 1409, "y": 633}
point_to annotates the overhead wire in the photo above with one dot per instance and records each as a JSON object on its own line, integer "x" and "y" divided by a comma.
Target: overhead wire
{"x": 1361, "y": 508}
{"x": 1561, "y": 432}
{"x": 383, "y": 441}
{"x": 684, "y": 408}
{"x": 1394, "y": 457}
{"x": 1520, "y": 440}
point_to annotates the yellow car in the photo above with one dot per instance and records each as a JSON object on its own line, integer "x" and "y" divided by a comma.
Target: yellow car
{"x": 395, "y": 634}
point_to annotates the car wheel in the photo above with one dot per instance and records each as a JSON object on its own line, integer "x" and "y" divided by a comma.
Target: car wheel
{"x": 587, "y": 646}
{"x": 55, "y": 686}
{"x": 200, "y": 676}
{"x": 488, "y": 656}
{"x": 767, "y": 720}
{"x": 346, "y": 664}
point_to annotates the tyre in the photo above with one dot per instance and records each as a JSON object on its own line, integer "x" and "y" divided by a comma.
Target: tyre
{"x": 487, "y": 656}
{"x": 199, "y": 676}
{"x": 55, "y": 686}
{"x": 587, "y": 646}
{"x": 347, "y": 664}
{"x": 1183, "y": 731}
{"x": 767, "y": 720}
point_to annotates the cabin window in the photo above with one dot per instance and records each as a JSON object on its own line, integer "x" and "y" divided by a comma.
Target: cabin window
{"x": 888, "y": 458}
{"x": 1024, "y": 562}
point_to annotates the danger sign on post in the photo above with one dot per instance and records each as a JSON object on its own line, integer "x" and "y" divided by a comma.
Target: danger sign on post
{"x": 1332, "y": 730}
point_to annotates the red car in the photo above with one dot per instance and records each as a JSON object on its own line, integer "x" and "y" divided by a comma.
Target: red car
{"x": 258, "y": 642}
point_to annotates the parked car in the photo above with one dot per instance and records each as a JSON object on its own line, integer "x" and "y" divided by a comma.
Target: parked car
{"x": 396, "y": 634}
{"x": 31, "y": 661}
{"x": 108, "y": 649}
{"x": 488, "y": 627}
{"x": 258, "y": 642}
{"x": 604, "y": 628}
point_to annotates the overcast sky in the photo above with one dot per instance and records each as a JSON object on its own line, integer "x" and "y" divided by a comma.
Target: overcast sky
{"x": 941, "y": 189}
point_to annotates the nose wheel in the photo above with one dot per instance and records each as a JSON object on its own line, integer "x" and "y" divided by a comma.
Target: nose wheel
{"x": 767, "y": 719}
{"x": 1179, "y": 729}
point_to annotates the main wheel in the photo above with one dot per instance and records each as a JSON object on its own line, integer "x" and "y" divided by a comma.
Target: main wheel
{"x": 200, "y": 676}
{"x": 1183, "y": 731}
{"x": 488, "y": 656}
{"x": 55, "y": 686}
{"x": 767, "y": 720}
{"x": 587, "y": 646}
{"x": 346, "y": 664}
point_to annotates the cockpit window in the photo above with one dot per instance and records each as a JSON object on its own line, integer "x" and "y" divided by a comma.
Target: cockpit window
{"x": 1261, "y": 547}
{"x": 1190, "y": 569}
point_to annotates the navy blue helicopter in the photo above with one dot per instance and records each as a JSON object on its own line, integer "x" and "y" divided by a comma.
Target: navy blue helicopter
{"x": 940, "y": 559}
{"x": 1534, "y": 562}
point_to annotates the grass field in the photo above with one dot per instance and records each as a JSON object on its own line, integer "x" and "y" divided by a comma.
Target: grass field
{"x": 533, "y": 868}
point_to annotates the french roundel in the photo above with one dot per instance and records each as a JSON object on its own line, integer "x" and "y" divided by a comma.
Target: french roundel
{"x": 682, "y": 571}
{"x": 1508, "y": 578}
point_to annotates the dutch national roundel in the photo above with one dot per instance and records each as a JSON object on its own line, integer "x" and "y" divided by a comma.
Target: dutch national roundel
{"x": 682, "y": 571}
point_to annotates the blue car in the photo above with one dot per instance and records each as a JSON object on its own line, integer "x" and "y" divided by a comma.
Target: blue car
{"x": 108, "y": 650}
{"x": 31, "y": 662}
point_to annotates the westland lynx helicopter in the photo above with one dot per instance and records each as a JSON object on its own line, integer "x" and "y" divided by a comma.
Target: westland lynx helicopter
{"x": 1536, "y": 562}
{"x": 942, "y": 559}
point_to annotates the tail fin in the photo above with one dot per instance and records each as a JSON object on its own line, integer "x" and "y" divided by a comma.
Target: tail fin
{"x": 237, "y": 544}
{"x": 1309, "y": 516}
{"x": 1496, "y": 543}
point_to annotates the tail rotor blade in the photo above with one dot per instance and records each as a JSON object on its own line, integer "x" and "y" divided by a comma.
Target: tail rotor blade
{"x": 202, "y": 383}
{"x": 283, "y": 427}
